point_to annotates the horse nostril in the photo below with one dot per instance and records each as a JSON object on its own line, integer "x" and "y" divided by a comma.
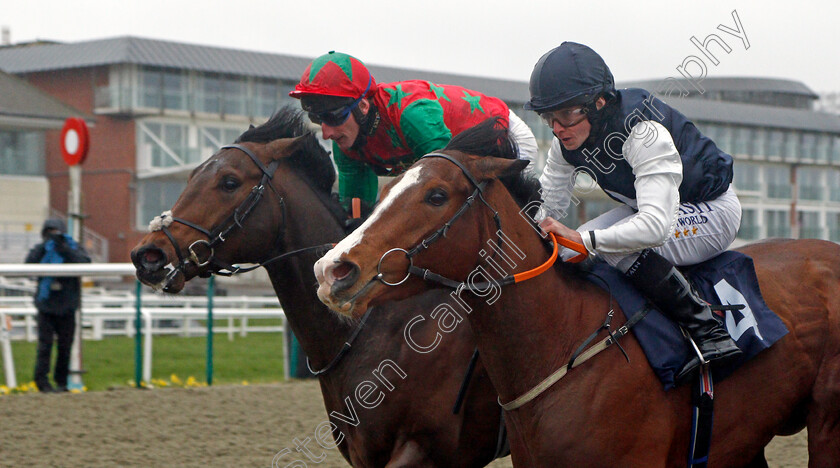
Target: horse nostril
{"x": 342, "y": 270}
{"x": 148, "y": 257}
{"x": 344, "y": 275}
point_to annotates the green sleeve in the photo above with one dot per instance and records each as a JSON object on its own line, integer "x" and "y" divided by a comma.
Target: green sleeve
{"x": 423, "y": 127}
{"x": 355, "y": 179}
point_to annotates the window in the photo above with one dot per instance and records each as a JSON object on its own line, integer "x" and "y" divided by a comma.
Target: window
{"x": 724, "y": 138}
{"x": 833, "y": 177}
{"x": 777, "y": 223}
{"x": 777, "y": 181}
{"x": 741, "y": 144}
{"x": 833, "y": 225}
{"x": 235, "y": 91}
{"x": 758, "y": 138}
{"x": 163, "y": 145}
{"x": 835, "y": 150}
{"x": 157, "y": 195}
{"x": 809, "y": 225}
{"x": 774, "y": 143}
{"x": 265, "y": 98}
{"x": 208, "y": 94}
{"x": 175, "y": 90}
{"x": 22, "y": 153}
{"x": 749, "y": 230}
{"x": 792, "y": 146}
{"x": 809, "y": 146}
{"x": 747, "y": 176}
{"x": 150, "y": 88}
{"x": 809, "y": 181}
{"x": 823, "y": 148}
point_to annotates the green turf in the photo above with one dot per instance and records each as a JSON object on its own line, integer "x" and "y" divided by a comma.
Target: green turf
{"x": 257, "y": 357}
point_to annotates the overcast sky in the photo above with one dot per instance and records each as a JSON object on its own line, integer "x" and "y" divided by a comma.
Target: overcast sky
{"x": 495, "y": 38}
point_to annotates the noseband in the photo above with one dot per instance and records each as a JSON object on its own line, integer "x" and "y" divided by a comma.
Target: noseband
{"x": 219, "y": 234}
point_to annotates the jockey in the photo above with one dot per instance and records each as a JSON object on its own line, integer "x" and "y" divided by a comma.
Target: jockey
{"x": 382, "y": 129}
{"x": 678, "y": 207}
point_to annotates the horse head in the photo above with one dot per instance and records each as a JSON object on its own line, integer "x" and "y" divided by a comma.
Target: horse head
{"x": 426, "y": 219}
{"x": 233, "y": 208}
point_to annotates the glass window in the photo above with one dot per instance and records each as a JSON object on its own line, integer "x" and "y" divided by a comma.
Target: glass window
{"x": 777, "y": 222}
{"x": 724, "y": 138}
{"x": 150, "y": 88}
{"x": 22, "y": 153}
{"x": 742, "y": 141}
{"x": 809, "y": 180}
{"x": 835, "y": 150}
{"x": 163, "y": 145}
{"x": 809, "y": 225}
{"x": 235, "y": 92}
{"x": 175, "y": 90}
{"x": 792, "y": 146}
{"x": 265, "y": 98}
{"x": 157, "y": 195}
{"x": 833, "y": 177}
{"x": 823, "y": 148}
{"x": 833, "y": 225}
{"x": 758, "y": 140}
{"x": 775, "y": 138}
{"x": 809, "y": 146}
{"x": 209, "y": 94}
{"x": 749, "y": 230}
{"x": 747, "y": 176}
{"x": 777, "y": 181}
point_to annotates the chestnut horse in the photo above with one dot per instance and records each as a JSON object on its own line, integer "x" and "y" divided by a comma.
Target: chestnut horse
{"x": 607, "y": 411}
{"x": 391, "y": 405}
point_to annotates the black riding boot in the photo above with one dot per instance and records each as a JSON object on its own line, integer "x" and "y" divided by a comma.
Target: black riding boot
{"x": 672, "y": 294}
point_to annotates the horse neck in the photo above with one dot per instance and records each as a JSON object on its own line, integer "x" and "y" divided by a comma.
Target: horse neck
{"x": 534, "y": 326}
{"x": 309, "y": 223}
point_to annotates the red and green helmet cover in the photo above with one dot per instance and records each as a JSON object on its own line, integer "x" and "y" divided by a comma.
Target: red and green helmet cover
{"x": 335, "y": 74}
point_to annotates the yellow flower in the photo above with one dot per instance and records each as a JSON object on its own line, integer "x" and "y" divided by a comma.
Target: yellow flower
{"x": 244, "y": 382}
{"x": 175, "y": 380}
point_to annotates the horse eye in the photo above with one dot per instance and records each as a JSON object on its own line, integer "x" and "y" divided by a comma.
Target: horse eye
{"x": 230, "y": 184}
{"x": 437, "y": 197}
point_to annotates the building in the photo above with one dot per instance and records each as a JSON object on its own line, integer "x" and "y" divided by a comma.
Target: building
{"x": 26, "y": 116}
{"x": 162, "y": 107}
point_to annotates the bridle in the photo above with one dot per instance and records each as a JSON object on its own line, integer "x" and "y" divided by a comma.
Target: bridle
{"x": 477, "y": 194}
{"x": 202, "y": 252}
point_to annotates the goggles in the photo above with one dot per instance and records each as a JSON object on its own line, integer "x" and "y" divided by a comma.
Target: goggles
{"x": 336, "y": 117}
{"x": 333, "y": 118}
{"x": 564, "y": 117}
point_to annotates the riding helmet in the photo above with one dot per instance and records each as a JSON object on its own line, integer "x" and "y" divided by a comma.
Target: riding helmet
{"x": 568, "y": 75}
{"x": 335, "y": 74}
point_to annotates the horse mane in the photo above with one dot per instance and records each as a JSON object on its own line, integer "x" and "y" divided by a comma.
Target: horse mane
{"x": 492, "y": 138}
{"x": 312, "y": 160}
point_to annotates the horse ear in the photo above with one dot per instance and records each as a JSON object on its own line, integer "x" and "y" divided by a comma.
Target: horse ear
{"x": 487, "y": 168}
{"x": 285, "y": 147}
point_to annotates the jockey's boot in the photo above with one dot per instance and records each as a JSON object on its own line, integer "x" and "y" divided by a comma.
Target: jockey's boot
{"x": 671, "y": 293}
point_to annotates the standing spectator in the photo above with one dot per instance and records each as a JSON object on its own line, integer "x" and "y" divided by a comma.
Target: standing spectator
{"x": 56, "y": 300}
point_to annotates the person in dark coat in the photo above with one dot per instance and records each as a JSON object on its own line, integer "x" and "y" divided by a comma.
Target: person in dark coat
{"x": 56, "y": 299}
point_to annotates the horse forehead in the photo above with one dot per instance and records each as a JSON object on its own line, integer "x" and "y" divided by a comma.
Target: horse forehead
{"x": 411, "y": 179}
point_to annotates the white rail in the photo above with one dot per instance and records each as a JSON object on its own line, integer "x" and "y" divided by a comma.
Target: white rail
{"x": 99, "y": 308}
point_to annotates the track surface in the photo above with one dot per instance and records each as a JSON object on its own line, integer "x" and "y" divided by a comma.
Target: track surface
{"x": 222, "y": 426}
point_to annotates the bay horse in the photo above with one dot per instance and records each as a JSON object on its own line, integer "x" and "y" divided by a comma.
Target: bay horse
{"x": 390, "y": 405}
{"x": 607, "y": 411}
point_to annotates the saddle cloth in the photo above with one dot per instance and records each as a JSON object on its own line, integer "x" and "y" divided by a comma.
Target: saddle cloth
{"x": 728, "y": 278}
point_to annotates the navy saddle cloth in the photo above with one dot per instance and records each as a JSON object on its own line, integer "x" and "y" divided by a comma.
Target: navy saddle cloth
{"x": 728, "y": 278}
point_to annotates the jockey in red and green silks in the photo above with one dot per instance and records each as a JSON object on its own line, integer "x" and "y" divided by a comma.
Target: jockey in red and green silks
{"x": 382, "y": 129}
